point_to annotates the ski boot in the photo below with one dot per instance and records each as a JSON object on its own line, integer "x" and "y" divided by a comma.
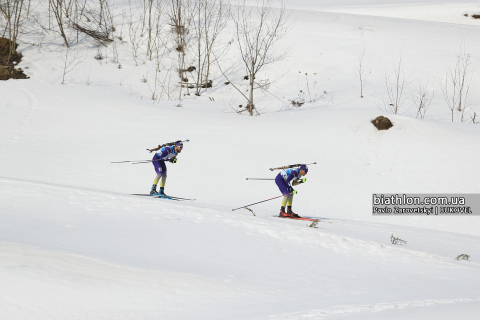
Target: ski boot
{"x": 154, "y": 189}
{"x": 161, "y": 192}
{"x": 283, "y": 214}
{"x": 291, "y": 213}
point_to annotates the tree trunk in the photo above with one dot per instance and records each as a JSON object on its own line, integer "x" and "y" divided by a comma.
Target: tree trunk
{"x": 250, "y": 103}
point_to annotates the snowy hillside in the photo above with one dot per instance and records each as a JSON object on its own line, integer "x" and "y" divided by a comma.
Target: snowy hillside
{"x": 74, "y": 242}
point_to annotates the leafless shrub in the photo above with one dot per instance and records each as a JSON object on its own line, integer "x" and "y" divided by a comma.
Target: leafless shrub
{"x": 422, "y": 97}
{"x": 395, "y": 240}
{"x": 314, "y": 94}
{"x": 87, "y": 77}
{"x": 359, "y": 72}
{"x": 70, "y": 62}
{"x": 456, "y": 85}
{"x": 247, "y": 208}
{"x": 314, "y": 223}
{"x": 474, "y": 118}
{"x": 300, "y": 100}
{"x": 395, "y": 83}
{"x": 462, "y": 257}
{"x": 99, "y": 55}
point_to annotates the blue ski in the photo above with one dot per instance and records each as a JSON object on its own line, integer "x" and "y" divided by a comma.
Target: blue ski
{"x": 157, "y": 195}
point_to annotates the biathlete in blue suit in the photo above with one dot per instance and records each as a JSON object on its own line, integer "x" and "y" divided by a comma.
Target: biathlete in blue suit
{"x": 168, "y": 153}
{"x": 283, "y": 180}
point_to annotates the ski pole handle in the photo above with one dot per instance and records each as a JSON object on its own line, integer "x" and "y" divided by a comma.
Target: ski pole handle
{"x": 259, "y": 179}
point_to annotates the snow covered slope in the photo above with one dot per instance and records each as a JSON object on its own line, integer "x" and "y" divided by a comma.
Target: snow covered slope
{"x": 425, "y": 10}
{"x": 80, "y": 253}
{"x": 75, "y": 244}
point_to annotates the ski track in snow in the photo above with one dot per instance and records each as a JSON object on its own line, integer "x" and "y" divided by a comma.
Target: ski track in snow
{"x": 341, "y": 311}
{"x": 96, "y": 280}
{"x": 25, "y": 119}
{"x": 273, "y": 227}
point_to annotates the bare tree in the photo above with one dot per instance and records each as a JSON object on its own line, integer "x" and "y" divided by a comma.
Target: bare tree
{"x": 159, "y": 50}
{"x": 12, "y": 13}
{"x": 456, "y": 85}
{"x": 422, "y": 98}
{"x": 57, "y": 8}
{"x": 180, "y": 16}
{"x": 150, "y": 12}
{"x": 134, "y": 32}
{"x": 210, "y": 19}
{"x": 70, "y": 62}
{"x": 361, "y": 67}
{"x": 395, "y": 82}
{"x": 257, "y": 30}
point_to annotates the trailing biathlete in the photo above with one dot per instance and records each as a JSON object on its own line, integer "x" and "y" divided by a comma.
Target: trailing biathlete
{"x": 167, "y": 153}
{"x": 284, "y": 181}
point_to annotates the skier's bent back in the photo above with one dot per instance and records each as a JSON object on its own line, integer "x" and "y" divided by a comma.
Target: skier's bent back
{"x": 283, "y": 180}
{"x": 168, "y": 153}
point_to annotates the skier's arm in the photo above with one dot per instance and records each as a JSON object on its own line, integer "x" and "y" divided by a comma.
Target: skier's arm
{"x": 165, "y": 153}
{"x": 291, "y": 177}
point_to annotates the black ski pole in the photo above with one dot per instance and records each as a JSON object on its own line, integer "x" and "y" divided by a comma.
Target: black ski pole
{"x": 259, "y": 179}
{"x": 248, "y": 205}
{"x": 129, "y": 161}
{"x": 137, "y": 161}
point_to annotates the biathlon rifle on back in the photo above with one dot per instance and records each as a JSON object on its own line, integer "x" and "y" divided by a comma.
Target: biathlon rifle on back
{"x": 291, "y": 166}
{"x": 166, "y": 145}
{"x": 151, "y": 150}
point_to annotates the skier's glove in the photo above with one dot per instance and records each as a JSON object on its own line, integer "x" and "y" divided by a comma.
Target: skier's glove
{"x": 296, "y": 182}
{"x": 174, "y": 160}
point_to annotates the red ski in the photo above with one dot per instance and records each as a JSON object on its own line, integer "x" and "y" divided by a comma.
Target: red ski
{"x": 307, "y": 219}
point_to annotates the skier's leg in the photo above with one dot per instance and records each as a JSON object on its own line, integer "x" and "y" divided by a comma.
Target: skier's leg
{"x": 163, "y": 174}
{"x": 155, "y": 182}
{"x": 163, "y": 181}
{"x": 282, "y": 186}
{"x": 289, "y": 207}
{"x": 156, "y": 165}
{"x": 289, "y": 200}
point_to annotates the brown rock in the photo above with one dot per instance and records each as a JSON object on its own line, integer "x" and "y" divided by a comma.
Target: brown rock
{"x": 382, "y": 123}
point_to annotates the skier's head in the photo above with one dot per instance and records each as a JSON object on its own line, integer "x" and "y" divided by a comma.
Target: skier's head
{"x": 303, "y": 169}
{"x": 178, "y": 146}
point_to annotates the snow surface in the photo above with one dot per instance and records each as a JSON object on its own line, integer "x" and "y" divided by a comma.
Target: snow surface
{"x": 75, "y": 244}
